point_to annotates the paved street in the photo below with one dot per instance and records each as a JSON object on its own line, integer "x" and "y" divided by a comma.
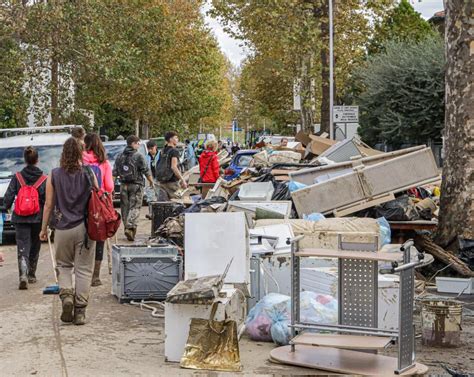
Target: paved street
{"x": 119, "y": 340}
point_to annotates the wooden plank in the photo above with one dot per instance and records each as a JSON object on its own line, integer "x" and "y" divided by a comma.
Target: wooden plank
{"x": 342, "y": 361}
{"x": 343, "y": 341}
{"x": 367, "y": 255}
{"x": 282, "y": 171}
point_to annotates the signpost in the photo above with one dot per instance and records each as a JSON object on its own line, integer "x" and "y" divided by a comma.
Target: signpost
{"x": 345, "y": 115}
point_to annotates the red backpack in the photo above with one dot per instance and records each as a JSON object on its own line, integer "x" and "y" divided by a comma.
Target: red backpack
{"x": 103, "y": 220}
{"x": 27, "y": 200}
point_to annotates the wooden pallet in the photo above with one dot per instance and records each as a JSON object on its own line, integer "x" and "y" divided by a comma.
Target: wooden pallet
{"x": 342, "y": 361}
{"x": 354, "y": 342}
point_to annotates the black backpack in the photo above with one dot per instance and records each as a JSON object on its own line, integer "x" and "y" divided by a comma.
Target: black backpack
{"x": 163, "y": 170}
{"x": 126, "y": 168}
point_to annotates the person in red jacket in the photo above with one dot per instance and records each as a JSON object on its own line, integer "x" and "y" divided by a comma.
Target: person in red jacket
{"x": 209, "y": 165}
{"x": 94, "y": 155}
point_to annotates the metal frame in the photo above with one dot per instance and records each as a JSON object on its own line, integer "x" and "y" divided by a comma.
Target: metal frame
{"x": 38, "y": 129}
{"x": 406, "y": 332}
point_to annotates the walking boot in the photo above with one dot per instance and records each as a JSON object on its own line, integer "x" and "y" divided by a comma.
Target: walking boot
{"x": 79, "y": 316}
{"x": 134, "y": 232}
{"x": 129, "y": 234}
{"x": 95, "y": 276}
{"x": 23, "y": 267}
{"x": 67, "y": 298}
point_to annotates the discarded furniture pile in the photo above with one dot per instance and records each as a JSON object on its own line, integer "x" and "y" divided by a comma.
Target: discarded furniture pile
{"x": 306, "y": 248}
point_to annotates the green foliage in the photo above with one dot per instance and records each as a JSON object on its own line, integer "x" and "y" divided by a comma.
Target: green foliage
{"x": 154, "y": 60}
{"x": 13, "y": 103}
{"x": 402, "y": 23}
{"x": 286, "y": 42}
{"x": 402, "y": 93}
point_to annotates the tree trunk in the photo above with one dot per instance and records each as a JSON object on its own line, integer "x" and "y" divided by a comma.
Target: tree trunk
{"x": 457, "y": 190}
{"x": 54, "y": 91}
{"x": 325, "y": 113}
{"x": 137, "y": 127}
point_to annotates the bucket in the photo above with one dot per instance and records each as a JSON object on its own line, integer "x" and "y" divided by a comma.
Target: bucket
{"x": 441, "y": 322}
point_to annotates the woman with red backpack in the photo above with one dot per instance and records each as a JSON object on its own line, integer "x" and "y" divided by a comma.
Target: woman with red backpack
{"x": 96, "y": 157}
{"x": 209, "y": 166}
{"x": 29, "y": 189}
{"x": 68, "y": 191}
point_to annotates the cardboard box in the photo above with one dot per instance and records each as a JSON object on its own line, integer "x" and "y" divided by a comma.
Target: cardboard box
{"x": 319, "y": 144}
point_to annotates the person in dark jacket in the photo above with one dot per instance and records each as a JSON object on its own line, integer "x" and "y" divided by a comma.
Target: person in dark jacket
{"x": 130, "y": 166}
{"x": 209, "y": 166}
{"x": 27, "y": 227}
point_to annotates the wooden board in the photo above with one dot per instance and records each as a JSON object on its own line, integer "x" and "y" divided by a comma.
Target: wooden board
{"x": 342, "y": 361}
{"x": 367, "y": 255}
{"x": 359, "y": 342}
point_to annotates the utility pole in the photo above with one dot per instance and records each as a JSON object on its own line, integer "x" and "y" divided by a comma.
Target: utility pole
{"x": 331, "y": 70}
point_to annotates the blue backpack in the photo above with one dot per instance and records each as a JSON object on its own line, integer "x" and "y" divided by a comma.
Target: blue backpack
{"x": 98, "y": 174}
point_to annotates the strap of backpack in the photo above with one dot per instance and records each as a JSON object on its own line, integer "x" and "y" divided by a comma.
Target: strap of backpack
{"x": 40, "y": 181}
{"x": 90, "y": 177}
{"x": 20, "y": 179}
{"x": 207, "y": 167}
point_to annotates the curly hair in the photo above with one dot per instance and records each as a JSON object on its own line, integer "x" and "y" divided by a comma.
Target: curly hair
{"x": 71, "y": 157}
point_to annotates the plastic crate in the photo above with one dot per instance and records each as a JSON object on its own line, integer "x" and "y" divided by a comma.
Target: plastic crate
{"x": 256, "y": 191}
{"x": 144, "y": 272}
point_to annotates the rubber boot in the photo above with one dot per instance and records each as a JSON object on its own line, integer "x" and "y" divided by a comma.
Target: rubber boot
{"x": 67, "y": 298}
{"x": 23, "y": 269}
{"x": 79, "y": 316}
{"x": 96, "y": 275}
{"x": 32, "y": 270}
{"x": 129, "y": 234}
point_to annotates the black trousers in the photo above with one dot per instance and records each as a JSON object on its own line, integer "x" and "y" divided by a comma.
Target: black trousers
{"x": 99, "y": 250}
{"x": 28, "y": 245}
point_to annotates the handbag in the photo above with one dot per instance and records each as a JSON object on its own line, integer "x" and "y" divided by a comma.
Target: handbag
{"x": 212, "y": 345}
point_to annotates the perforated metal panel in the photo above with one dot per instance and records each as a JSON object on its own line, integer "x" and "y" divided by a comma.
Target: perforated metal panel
{"x": 358, "y": 293}
{"x": 406, "y": 343}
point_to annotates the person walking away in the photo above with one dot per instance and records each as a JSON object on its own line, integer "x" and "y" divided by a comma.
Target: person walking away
{"x": 29, "y": 189}
{"x": 68, "y": 190}
{"x": 95, "y": 157}
{"x": 167, "y": 171}
{"x": 208, "y": 166}
{"x": 152, "y": 193}
{"x": 190, "y": 155}
{"x": 79, "y": 134}
{"x": 130, "y": 166}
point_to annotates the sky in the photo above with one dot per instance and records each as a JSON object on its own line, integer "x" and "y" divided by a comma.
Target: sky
{"x": 236, "y": 53}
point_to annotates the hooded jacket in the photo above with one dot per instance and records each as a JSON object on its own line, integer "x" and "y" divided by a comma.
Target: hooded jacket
{"x": 30, "y": 174}
{"x": 89, "y": 158}
{"x": 209, "y": 166}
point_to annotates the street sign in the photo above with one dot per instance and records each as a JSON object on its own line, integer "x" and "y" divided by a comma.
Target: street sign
{"x": 345, "y": 114}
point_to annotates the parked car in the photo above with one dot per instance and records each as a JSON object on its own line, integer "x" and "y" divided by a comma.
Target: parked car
{"x": 49, "y": 146}
{"x": 113, "y": 149}
{"x": 239, "y": 162}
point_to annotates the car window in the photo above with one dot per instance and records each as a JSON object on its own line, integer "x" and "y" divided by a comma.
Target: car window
{"x": 244, "y": 160}
{"x": 113, "y": 151}
{"x": 11, "y": 159}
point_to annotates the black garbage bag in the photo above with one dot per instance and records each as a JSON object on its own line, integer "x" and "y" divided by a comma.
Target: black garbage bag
{"x": 282, "y": 192}
{"x": 400, "y": 209}
{"x": 200, "y": 204}
{"x": 466, "y": 251}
